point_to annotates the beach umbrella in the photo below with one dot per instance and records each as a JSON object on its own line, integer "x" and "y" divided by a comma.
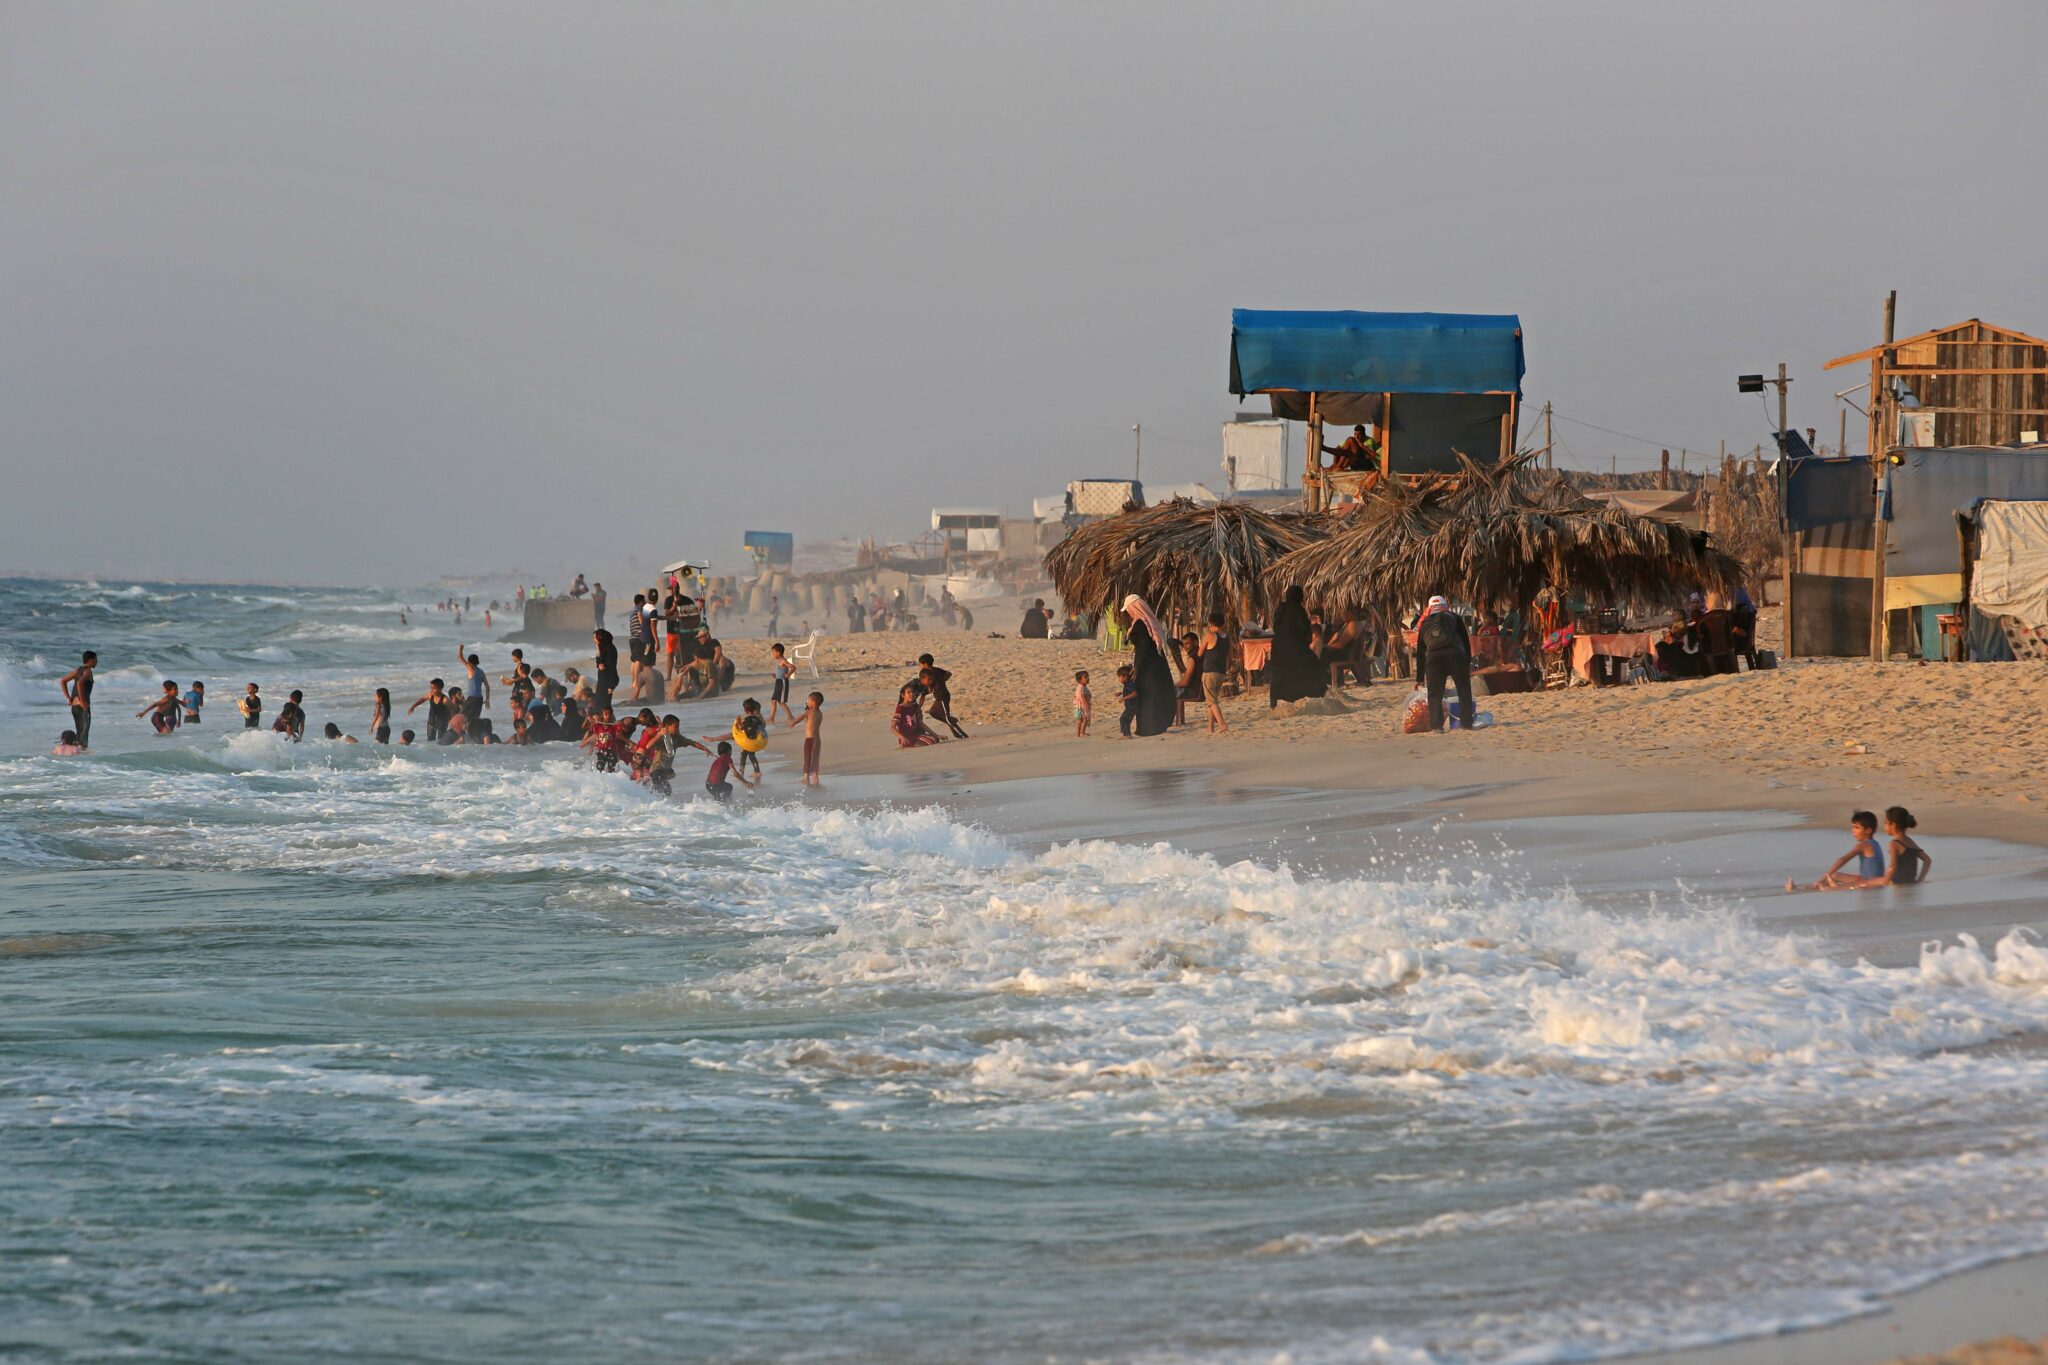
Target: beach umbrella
{"x": 1186, "y": 559}
{"x": 1492, "y": 536}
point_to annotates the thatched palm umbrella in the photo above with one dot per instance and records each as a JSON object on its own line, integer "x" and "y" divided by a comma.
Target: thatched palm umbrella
{"x": 1186, "y": 559}
{"x": 1492, "y": 537}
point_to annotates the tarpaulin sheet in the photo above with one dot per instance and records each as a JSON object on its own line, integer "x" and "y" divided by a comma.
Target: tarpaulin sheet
{"x": 1345, "y": 352}
{"x": 2010, "y": 577}
{"x": 1823, "y": 492}
{"x": 1929, "y": 487}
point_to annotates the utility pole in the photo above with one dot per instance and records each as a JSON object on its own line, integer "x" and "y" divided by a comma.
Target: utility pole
{"x": 1881, "y": 435}
{"x": 1548, "y": 461}
{"x": 1842, "y": 437}
{"x": 1138, "y": 453}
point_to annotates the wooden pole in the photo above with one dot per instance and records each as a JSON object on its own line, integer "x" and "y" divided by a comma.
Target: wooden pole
{"x": 1548, "y": 462}
{"x": 1880, "y": 442}
{"x": 1664, "y": 469}
{"x": 1311, "y": 474}
{"x": 1386, "y": 436}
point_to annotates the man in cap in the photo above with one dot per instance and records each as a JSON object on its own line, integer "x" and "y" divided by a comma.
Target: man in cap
{"x": 1444, "y": 653}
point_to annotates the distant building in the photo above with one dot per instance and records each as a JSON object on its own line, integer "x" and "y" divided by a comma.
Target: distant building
{"x": 968, "y": 530}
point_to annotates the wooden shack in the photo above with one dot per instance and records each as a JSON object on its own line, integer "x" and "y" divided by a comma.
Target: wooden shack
{"x": 1969, "y": 384}
{"x": 1431, "y": 386}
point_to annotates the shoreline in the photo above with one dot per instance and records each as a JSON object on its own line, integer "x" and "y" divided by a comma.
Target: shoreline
{"x": 1033, "y": 780}
{"x": 1471, "y": 780}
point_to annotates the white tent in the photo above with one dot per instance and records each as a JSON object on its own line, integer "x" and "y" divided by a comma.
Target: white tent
{"x": 2010, "y": 577}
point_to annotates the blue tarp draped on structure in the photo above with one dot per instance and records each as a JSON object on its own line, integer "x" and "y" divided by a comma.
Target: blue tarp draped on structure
{"x": 1931, "y": 486}
{"x": 1375, "y": 352}
{"x": 1820, "y": 492}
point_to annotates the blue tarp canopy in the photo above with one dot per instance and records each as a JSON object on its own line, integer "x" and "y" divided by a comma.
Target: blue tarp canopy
{"x": 1375, "y": 352}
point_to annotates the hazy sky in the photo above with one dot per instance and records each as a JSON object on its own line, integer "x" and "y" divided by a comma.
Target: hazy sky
{"x": 366, "y": 291}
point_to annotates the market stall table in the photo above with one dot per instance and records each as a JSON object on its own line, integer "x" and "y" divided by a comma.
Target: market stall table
{"x": 1623, "y": 645}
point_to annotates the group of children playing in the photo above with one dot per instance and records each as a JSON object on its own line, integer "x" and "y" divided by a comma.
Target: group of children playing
{"x": 1907, "y": 865}
{"x": 651, "y": 758}
{"x": 932, "y": 684}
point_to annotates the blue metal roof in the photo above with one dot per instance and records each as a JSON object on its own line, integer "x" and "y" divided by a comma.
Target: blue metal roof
{"x": 1346, "y": 352}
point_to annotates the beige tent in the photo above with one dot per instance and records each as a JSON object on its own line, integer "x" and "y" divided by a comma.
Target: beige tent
{"x": 2009, "y": 578}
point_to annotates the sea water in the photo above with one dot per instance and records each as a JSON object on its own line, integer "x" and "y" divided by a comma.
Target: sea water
{"x": 326, "y": 1051}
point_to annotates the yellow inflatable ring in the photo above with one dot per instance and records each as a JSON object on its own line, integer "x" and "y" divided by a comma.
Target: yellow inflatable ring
{"x": 752, "y": 746}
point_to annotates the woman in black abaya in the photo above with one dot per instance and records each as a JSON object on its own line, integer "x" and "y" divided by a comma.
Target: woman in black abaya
{"x": 1148, "y": 667}
{"x": 1295, "y": 671}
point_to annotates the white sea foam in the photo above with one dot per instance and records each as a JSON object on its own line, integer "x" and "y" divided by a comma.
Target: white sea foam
{"x": 899, "y": 971}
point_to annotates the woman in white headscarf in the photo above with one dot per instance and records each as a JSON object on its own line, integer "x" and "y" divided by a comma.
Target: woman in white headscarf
{"x": 1148, "y": 666}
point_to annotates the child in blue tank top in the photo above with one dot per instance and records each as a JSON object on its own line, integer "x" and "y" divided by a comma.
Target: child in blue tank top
{"x": 1864, "y": 853}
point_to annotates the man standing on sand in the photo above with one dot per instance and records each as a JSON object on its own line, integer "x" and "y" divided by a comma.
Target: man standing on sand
{"x": 77, "y": 689}
{"x": 1445, "y": 650}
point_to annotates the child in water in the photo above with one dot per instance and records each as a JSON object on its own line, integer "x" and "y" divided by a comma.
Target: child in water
{"x": 164, "y": 711}
{"x": 715, "y": 781}
{"x": 67, "y": 744}
{"x": 251, "y": 707}
{"x": 814, "y": 736}
{"x": 195, "y": 697}
{"x": 749, "y": 724}
{"x": 1910, "y": 863}
{"x": 783, "y": 670}
{"x": 1865, "y": 853}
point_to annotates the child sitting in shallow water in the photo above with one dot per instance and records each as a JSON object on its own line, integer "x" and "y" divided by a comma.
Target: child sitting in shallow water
{"x": 1865, "y": 853}
{"x": 1910, "y": 862}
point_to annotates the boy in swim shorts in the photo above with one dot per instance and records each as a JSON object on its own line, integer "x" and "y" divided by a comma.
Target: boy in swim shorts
{"x": 783, "y": 670}
{"x": 814, "y": 729}
{"x": 163, "y": 712}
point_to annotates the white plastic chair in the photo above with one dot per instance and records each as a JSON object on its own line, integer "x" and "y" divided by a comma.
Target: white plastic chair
{"x": 806, "y": 653}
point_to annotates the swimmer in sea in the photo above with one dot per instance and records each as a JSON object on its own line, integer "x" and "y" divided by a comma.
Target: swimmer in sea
{"x": 380, "y": 716}
{"x": 77, "y": 689}
{"x": 195, "y": 697}
{"x": 291, "y": 717}
{"x": 405, "y": 739}
{"x": 67, "y": 744}
{"x": 163, "y": 712}
{"x": 436, "y": 702}
{"x": 715, "y": 781}
{"x": 333, "y": 731}
{"x": 251, "y": 707}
